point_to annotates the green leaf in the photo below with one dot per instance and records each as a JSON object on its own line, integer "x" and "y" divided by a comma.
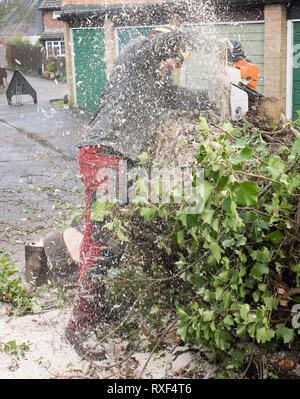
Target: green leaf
{"x": 258, "y": 270}
{"x": 99, "y": 209}
{"x": 246, "y": 193}
{"x": 275, "y": 167}
{"x": 149, "y": 213}
{"x": 219, "y": 292}
{"x": 227, "y": 204}
{"x": 237, "y": 357}
{"x": 143, "y": 158}
{"x": 208, "y": 189}
{"x": 182, "y": 332}
{"x": 121, "y": 235}
{"x": 286, "y": 334}
{"x": 208, "y": 315}
{"x": 227, "y": 126}
{"x": 264, "y": 334}
{"x": 180, "y": 238}
{"x": 216, "y": 251}
{"x": 228, "y": 321}
{"x": 295, "y": 149}
{"x": 228, "y": 243}
{"x": 276, "y": 237}
{"x": 207, "y": 216}
{"x": 244, "y": 311}
{"x": 204, "y": 128}
{"x": 244, "y": 155}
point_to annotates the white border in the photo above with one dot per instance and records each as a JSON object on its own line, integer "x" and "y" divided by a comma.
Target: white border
{"x": 289, "y": 68}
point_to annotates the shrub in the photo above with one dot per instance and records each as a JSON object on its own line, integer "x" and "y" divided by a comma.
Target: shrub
{"x": 19, "y": 41}
{"x": 232, "y": 272}
{"x": 52, "y": 67}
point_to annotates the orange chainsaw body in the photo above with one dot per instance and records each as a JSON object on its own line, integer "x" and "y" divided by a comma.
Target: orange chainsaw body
{"x": 249, "y": 72}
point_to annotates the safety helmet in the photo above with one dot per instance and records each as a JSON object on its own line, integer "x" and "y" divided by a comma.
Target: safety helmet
{"x": 166, "y": 29}
{"x": 158, "y": 29}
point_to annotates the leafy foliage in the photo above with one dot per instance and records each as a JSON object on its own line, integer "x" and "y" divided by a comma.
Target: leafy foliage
{"x": 222, "y": 269}
{"x": 19, "y": 41}
{"x": 23, "y": 300}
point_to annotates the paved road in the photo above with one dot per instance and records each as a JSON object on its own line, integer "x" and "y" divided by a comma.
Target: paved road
{"x": 39, "y": 177}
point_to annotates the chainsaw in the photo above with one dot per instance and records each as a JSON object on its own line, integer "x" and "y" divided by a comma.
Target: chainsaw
{"x": 243, "y": 76}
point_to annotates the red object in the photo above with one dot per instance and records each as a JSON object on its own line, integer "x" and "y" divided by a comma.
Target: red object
{"x": 249, "y": 72}
{"x": 93, "y": 170}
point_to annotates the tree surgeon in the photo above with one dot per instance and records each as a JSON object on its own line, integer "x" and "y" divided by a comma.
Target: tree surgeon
{"x": 122, "y": 127}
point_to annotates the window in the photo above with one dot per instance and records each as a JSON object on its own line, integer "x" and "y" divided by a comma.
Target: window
{"x": 56, "y": 14}
{"x": 55, "y": 48}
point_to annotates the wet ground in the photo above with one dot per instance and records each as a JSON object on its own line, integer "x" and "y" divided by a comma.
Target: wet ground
{"x": 40, "y": 183}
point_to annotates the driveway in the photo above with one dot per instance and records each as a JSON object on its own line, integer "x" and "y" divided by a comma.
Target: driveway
{"x": 41, "y": 189}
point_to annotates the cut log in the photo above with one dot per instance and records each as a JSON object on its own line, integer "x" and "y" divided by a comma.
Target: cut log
{"x": 72, "y": 239}
{"x": 36, "y": 264}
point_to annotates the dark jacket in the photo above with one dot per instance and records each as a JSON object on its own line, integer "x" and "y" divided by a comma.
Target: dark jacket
{"x": 136, "y": 94}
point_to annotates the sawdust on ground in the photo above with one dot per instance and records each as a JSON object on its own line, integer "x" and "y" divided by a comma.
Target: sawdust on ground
{"x": 50, "y": 356}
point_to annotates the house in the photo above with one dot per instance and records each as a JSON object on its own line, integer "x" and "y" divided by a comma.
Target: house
{"x": 96, "y": 30}
{"x": 53, "y": 35}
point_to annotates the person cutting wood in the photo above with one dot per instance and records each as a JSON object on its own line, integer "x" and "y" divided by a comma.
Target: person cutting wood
{"x": 121, "y": 129}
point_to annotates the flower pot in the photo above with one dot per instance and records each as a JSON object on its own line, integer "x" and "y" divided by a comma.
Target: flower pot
{"x": 46, "y": 74}
{"x": 52, "y": 75}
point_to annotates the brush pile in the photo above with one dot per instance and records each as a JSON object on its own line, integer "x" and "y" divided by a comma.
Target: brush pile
{"x": 228, "y": 273}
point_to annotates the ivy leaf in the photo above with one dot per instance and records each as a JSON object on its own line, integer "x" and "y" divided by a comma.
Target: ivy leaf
{"x": 180, "y": 238}
{"x": 286, "y": 334}
{"x": 237, "y": 357}
{"x": 276, "y": 237}
{"x": 216, "y": 251}
{"x": 208, "y": 189}
{"x": 258, "y": 270}
{"x": 295, "y": 149}
{"x": 121, "y": 235}
{"x": 99, "y": 210}
{"x": 227, "y": 126}
{"x": 182, "y": 332}
{"x": 244, "y": 311}
{"x": 246, "y": 193}
{"x": 149, "y": 213}
{"x": 203, "y": 125}
{"x": 207, "y": 216}
{"x": 228, "y": 243}
{"x": 244, "y": 155}
{"x": 264, "y": 334}
{"x": 275, "y": 167}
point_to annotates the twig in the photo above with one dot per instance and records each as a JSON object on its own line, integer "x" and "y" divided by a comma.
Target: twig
{"x": 140, "y": 296}
{"x": 257, "y": 176}
{"x": 149, "y": 280}
{"x": 235, "y": 139}
{"x": 156, "y": 345}
{"x": 250, "y": 362}
{"x": 121, "y": 361}
{"x": 268, "y": 187}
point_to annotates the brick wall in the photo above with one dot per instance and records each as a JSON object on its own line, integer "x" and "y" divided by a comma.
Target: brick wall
{"x": 275, "y": 52}
{"x": 50, "y": 23}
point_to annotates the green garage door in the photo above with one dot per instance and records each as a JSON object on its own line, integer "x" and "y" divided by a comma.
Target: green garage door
{"x": 296, "y": 70}
{"x": 251, "y": 36}
{"x": 90, "y": 66}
